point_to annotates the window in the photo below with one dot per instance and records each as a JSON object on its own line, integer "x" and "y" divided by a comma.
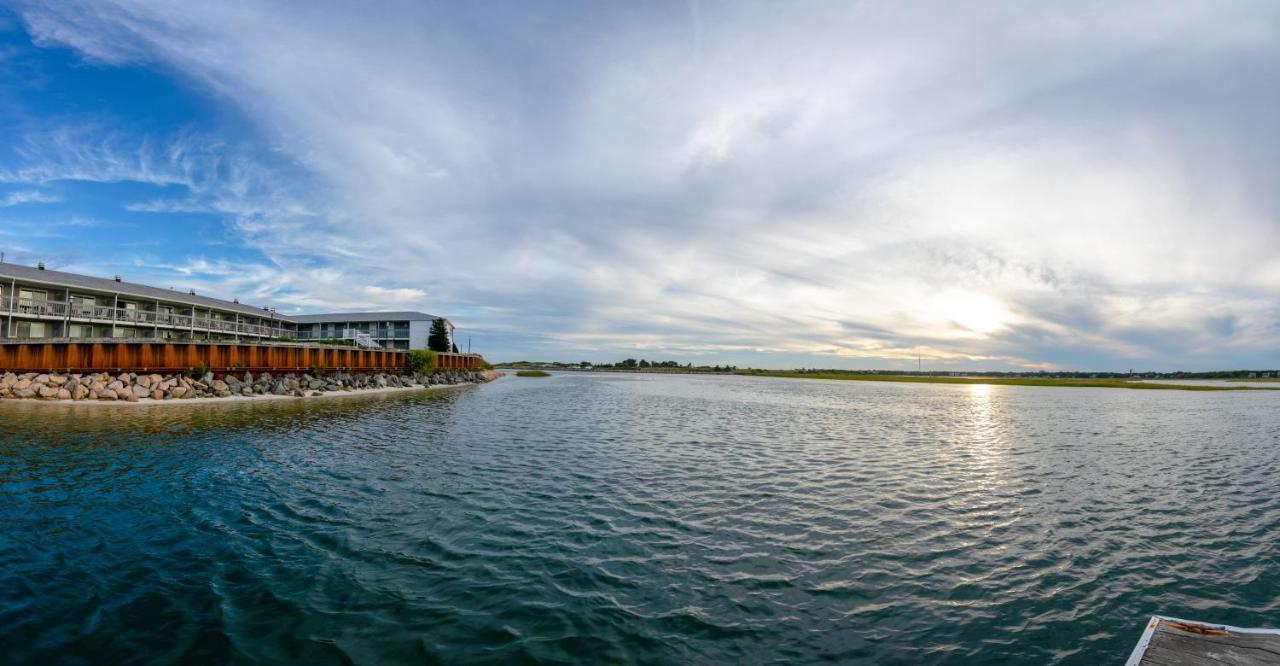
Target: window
{"x": 80, "y": 331}
{"x": 31, "y": 329}
{"x": 82, "y": 306}
{"x": 32, "y": 301}
{"x": 126, "y": 332}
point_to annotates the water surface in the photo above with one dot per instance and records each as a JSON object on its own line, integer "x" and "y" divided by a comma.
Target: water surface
{"x": 637, "y": 519}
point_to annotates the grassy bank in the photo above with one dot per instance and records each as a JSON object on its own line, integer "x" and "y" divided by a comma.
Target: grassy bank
{"x": 532, "y": 373}
{"x": 997, "y": 381}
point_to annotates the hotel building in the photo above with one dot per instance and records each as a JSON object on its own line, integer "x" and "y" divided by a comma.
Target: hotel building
{"x": 42, "y": 304}
{"x": 391, "y": 330}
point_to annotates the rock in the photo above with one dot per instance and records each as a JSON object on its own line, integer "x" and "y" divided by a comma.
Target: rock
{"x": 41, "y": 379}
{"x": 315, "y": 393}
{"x": 179, "y": 392}
{"x": 64, "y": 394}
{"x": 79, "y": 392}
{"x": 155, "y": 379}
{"x": 107, "y": 394}
{"x": 47, "y": 393}
{"x": 129, "y": 396}
{"x": 248, "y": 377}
{"x": 140, "y": 391}
{"x": 25, "y": 393}
{"x": 116, "y": 386}
{"x": 220, "y": 385}
{"x": 22, "y": 385}
{"x": 144, "y": 381}
{"x": 157, "y": 395}
{"x": 297, "y": 393}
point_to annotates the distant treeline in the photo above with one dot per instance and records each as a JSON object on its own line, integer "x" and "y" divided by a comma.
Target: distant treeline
{"x": 1213, "y": 374}
{"x": 675, "y": 366}
{"x": 625, "y": 364}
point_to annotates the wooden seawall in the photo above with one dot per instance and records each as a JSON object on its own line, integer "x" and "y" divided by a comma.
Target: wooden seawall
{"x": 220, "y": 357}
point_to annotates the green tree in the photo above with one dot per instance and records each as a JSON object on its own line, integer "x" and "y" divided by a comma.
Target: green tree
{"x": 438, "y": 339}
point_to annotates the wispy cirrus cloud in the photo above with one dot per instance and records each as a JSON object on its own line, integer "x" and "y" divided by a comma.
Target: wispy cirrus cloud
{"x": 1018, "y": 186}
{"x": 22, "y": 197}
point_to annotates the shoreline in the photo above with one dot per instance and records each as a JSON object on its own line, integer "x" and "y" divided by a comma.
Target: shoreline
{"x": 1143, "y": 384}
{"x": 999, "y": 381}
{"x": 134, "y": 389}
{"x": 243, "y": 399}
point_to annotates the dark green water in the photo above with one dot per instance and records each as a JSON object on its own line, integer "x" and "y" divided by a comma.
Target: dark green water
{"x": 637, "y": 519}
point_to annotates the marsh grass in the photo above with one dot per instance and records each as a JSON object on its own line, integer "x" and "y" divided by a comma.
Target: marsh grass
{"x": 999, "y": 381}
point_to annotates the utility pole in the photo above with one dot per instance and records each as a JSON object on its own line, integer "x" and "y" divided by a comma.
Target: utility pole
{"x": 468, "y": 344}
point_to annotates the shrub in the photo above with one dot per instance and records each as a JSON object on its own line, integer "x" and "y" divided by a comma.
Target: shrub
{"x": 532, "y": 373}
{"x": 422, "y": 360}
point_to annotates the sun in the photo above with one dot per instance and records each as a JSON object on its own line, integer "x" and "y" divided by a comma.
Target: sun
{"x": 977, "y": 313}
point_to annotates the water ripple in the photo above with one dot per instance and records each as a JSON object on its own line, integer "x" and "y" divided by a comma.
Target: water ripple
{"x": 637, "y": 519}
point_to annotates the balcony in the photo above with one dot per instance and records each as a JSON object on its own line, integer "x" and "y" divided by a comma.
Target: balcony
{"x": 133, "y": 317}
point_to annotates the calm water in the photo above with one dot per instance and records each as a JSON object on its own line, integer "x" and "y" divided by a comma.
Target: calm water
{"x": 638, "y": 519}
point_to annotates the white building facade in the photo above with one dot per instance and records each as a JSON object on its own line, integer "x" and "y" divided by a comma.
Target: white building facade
{"x": 43, "y": 304}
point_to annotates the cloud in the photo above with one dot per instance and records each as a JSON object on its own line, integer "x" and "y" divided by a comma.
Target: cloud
{"x": 21, "y": 197}
{"x": 1013, "y": 186}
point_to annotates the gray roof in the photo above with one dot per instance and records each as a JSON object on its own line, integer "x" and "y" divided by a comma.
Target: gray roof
{"x": 74, "y": 280}
{"x": 340, "y": 317}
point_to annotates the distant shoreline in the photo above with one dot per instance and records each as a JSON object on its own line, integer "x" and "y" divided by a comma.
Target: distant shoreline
{"x": 926, "y": 379}
{"x": 1001, "y": 381}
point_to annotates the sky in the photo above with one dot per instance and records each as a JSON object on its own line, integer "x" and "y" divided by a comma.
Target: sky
{"x": 959, "y": 186}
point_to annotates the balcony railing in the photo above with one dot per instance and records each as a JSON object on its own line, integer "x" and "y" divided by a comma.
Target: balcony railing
{"x": 378, "y": 333}
{"x": 102, "y": 313}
